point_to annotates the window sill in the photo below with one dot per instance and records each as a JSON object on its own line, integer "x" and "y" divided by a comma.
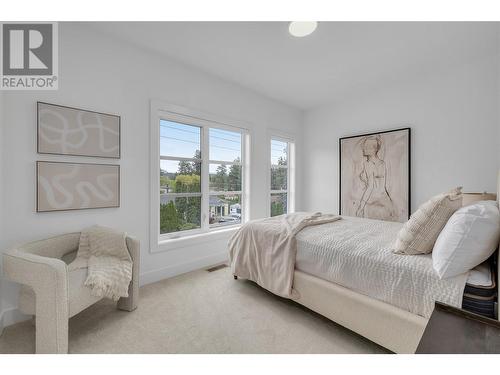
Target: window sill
{"x": 195, "y": 239}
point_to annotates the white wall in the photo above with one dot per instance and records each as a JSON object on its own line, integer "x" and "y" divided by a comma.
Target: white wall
{"x": 454, "y": 119}
{"x": 104, "y": 74}
{"x": 1, "y": 199}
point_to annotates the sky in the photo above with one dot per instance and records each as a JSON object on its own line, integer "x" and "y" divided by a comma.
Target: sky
{"x": 180, "y": 140}
{"x": 278, "y": 149}
{"x": 183, "y": 140}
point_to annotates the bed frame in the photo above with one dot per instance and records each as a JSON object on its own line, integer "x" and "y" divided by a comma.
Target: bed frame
{"x": 389, "y": 326}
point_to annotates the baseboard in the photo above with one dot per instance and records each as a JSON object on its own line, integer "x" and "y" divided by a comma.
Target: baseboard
{"x": 11, "y": 316}
{"x": 178, "y": 269}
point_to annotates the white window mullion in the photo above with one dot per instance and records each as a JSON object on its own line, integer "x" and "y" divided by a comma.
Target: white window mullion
{"x": 291, "y": 177}
{"x": 242, "y": 178}
{"x": 178, "y": 158}
{"x": 245, "y": 177}
{"x": 274, "y": 166}
{"x": 205, "y": 183}
{"x": 154, "y": 177}
{"x": 235, "y": 192}
{"x": 287, "y": 177}
{"x": 279, "y": 191}
{"x": 226, "y": 163}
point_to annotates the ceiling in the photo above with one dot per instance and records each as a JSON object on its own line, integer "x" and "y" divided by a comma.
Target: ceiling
{"x": 338, "y": 59}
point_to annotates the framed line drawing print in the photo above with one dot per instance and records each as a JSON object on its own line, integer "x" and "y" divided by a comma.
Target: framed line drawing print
{"x": 65, "y": 130}
{"x": 74, "y": 186}
{"x": 375, "y": 175}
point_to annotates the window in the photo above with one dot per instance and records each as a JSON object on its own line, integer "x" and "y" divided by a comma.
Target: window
{"x": 224, "y": 177}
{"x": 281, "y": 177}
{"x": 180, "y": 177}
{"x": 200, "y": 178}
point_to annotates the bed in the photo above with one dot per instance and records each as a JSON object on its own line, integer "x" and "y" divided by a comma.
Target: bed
{"x": 331, "y": 278}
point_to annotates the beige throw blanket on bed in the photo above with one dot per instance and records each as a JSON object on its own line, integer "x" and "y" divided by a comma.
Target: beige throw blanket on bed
{"x": 104, "y": 251}
{"x": 264, "y": 250}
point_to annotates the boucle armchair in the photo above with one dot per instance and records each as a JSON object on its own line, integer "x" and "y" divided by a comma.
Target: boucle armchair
{"x": 52, "y": 293}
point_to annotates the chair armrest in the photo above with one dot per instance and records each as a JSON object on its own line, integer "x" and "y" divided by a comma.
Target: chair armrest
{"x": 48, "y": 278}
{"x": 54, "y": 247}
{"x": 29, "y": 269}
{"x": 133, "y": 246}
{"x": 134, "y": 249}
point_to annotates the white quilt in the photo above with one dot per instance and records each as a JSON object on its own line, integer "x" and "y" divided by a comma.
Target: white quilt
{"x": 357, "y": 254}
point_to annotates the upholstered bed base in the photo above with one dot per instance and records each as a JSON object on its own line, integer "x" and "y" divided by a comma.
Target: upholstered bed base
{"x": 389, "y": 326}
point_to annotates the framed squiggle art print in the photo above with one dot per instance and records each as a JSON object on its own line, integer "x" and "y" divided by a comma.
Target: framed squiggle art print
{"x": 75, "y": 186}
{"x": 375, "y": 175}
{"x": 71, "y": 131}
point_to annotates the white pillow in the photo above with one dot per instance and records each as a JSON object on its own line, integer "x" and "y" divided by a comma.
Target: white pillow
{"x": 469, "y": 238}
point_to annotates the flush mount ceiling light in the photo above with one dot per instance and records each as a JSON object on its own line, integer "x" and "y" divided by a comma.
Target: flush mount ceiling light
{"x": 300, "y": 29}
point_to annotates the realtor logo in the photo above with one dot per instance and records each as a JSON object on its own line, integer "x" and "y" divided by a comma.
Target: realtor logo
{"x": 29, "y": 56}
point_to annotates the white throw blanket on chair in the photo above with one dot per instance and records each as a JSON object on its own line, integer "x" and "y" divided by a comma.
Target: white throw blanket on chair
{"x": 104, "y": 252}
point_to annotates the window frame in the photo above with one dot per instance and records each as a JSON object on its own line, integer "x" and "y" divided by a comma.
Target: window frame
{"x": 226, "y": 163}
{"x": 182, "y": 195}
{"x": 290, "y": 167}
{"x": 170, "y": 112}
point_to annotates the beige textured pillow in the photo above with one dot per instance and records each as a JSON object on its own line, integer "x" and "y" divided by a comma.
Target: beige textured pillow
{"x": 420, "y": 232}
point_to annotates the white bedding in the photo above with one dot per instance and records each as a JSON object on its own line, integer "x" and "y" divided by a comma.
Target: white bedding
{"x": 357, "y": 254}
{"x": 264, "y": 250}
{"x": 480, "y": 276}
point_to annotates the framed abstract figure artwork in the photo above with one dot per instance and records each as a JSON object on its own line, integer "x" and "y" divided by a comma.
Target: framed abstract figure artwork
{"x": 70, "y": 131}
{"x": 375, "y": 175}
{"x": 65, "y": 186}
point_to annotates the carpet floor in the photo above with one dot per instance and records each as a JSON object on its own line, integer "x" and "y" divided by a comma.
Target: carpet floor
{"x": 199, "y": 312}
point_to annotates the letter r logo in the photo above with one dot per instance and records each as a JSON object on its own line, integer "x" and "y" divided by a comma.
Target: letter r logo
{"x": 27, "y": 49}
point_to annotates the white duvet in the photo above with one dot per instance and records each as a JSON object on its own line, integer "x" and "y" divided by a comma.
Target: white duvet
{"x": 357, "y": 254}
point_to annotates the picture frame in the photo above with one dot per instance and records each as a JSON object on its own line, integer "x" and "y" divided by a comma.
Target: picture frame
{"x": 64, "y": 130}
{"x": 375, "y": 175}
{"x": 66, "y": 186}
